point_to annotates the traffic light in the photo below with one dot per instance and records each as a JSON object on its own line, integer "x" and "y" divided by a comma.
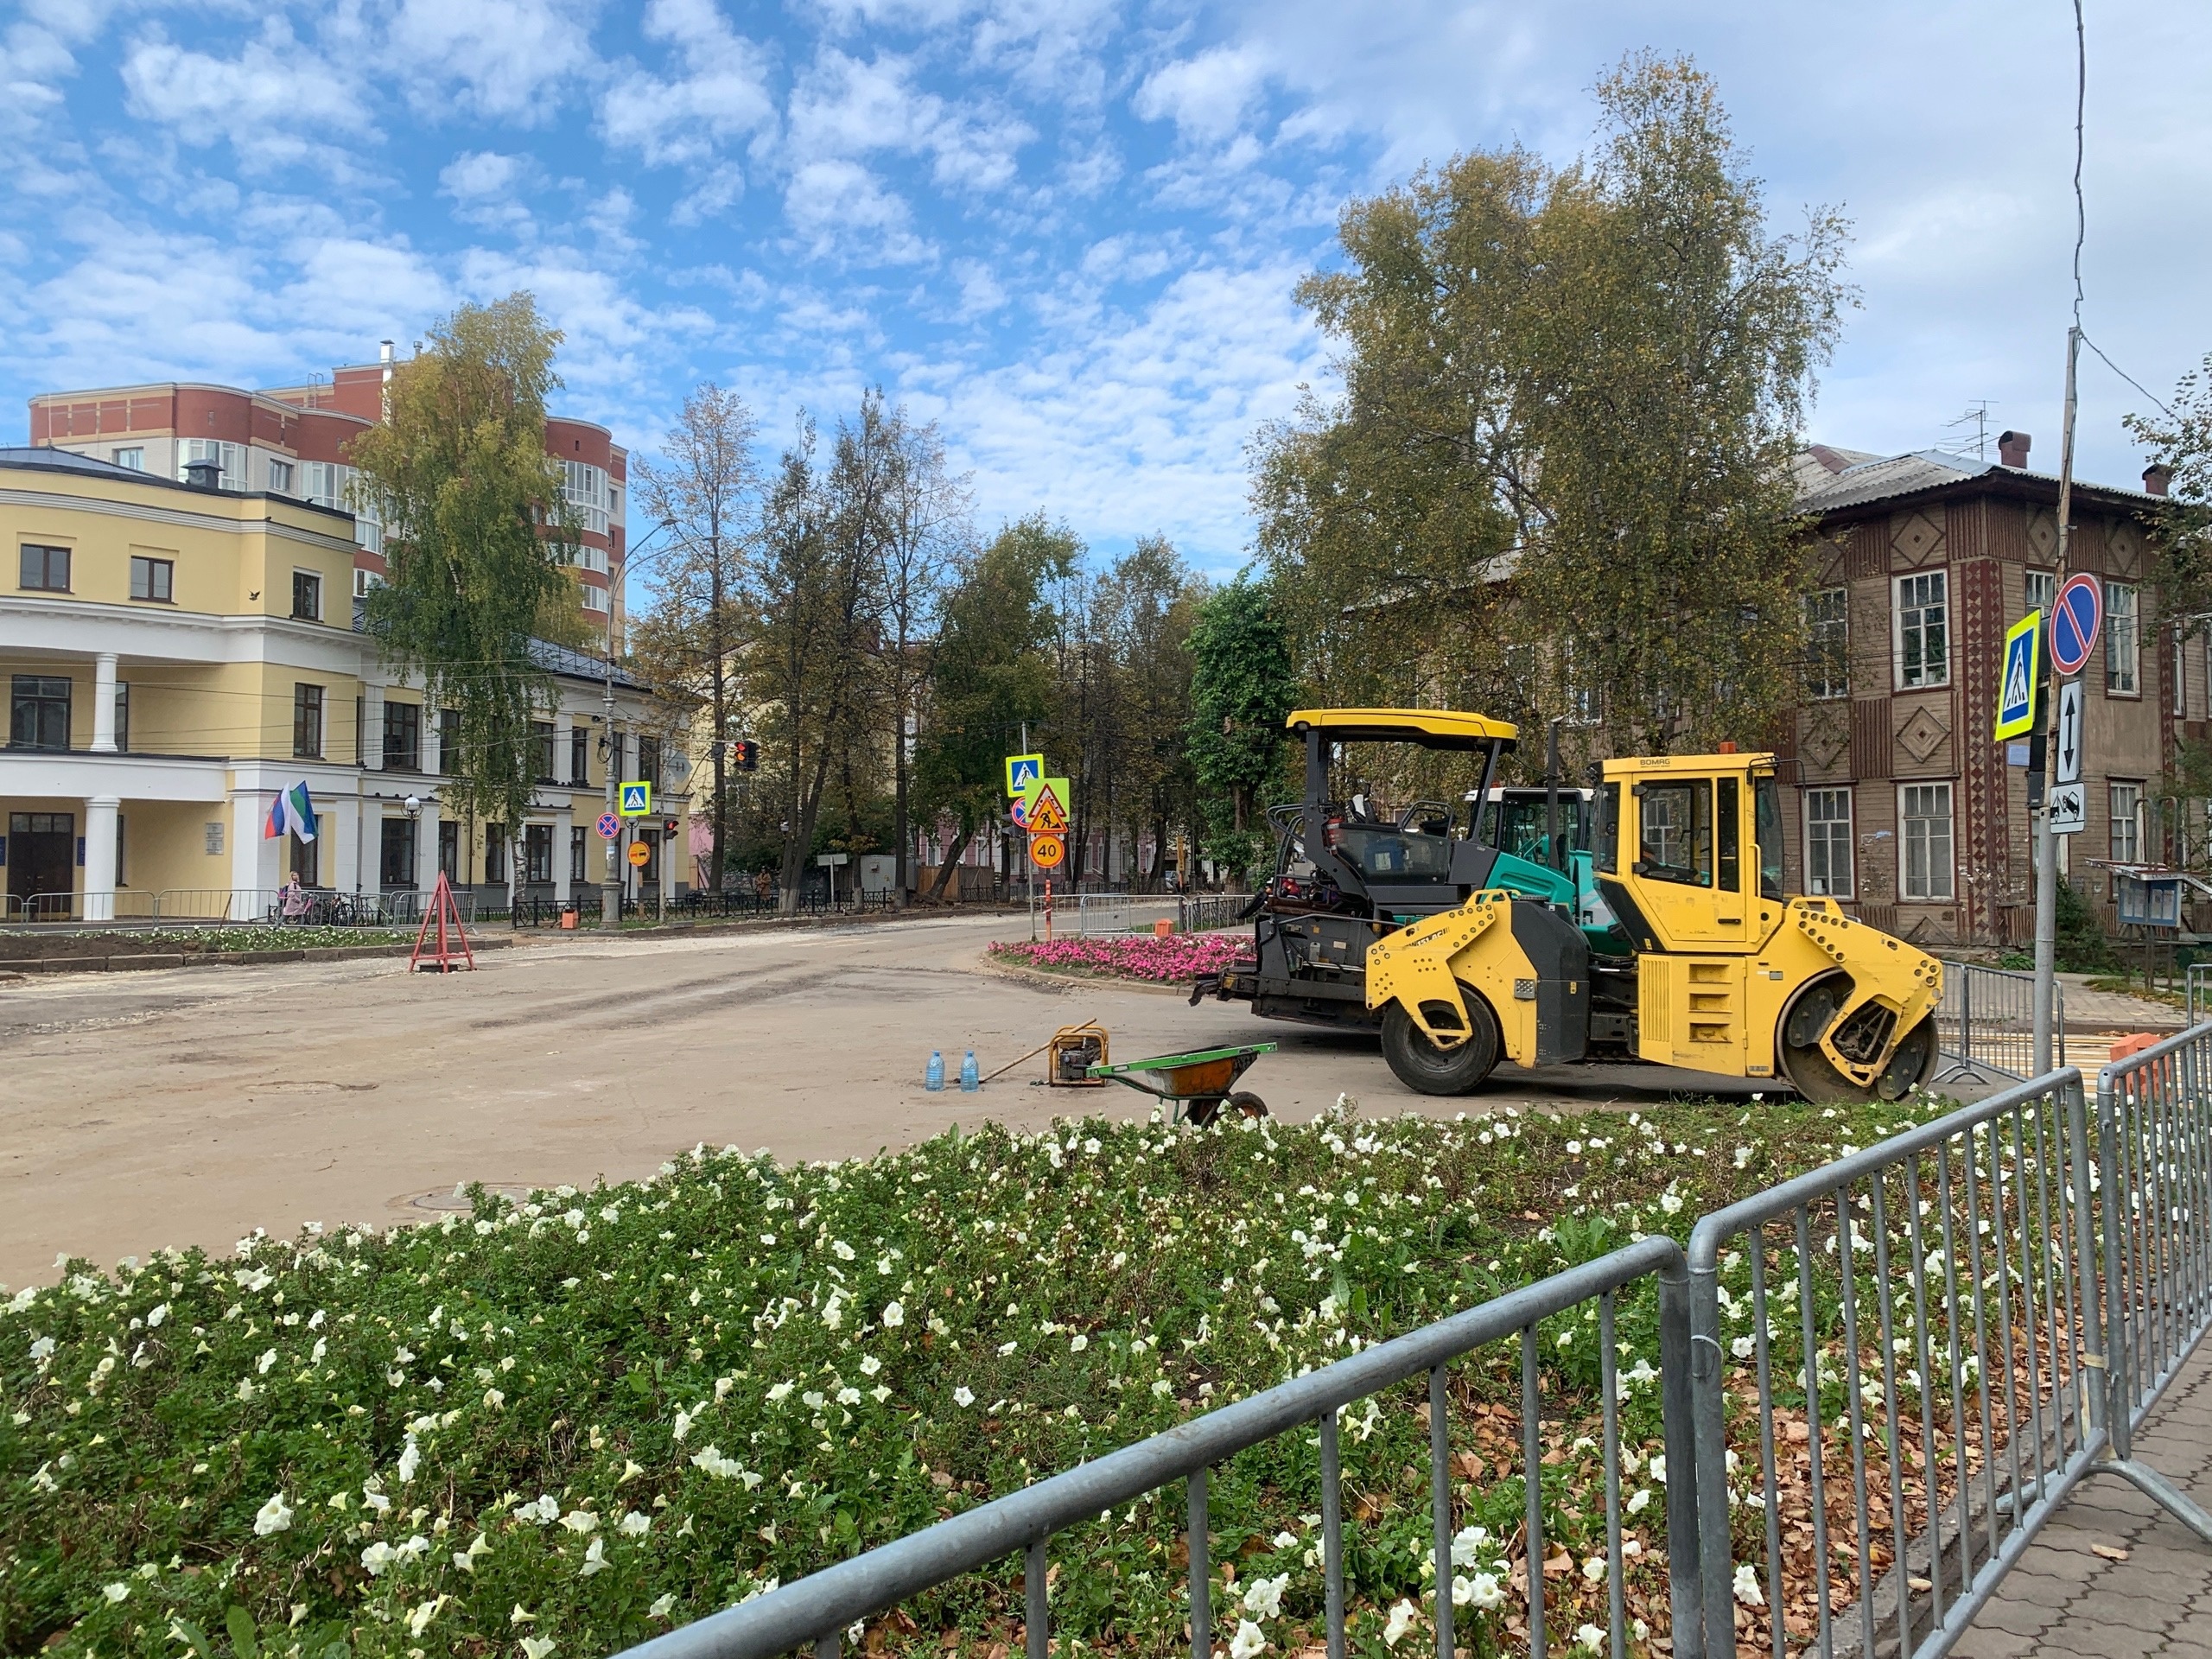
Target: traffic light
{"x": 745, "y": 755}
{"x": 669, "y": 826}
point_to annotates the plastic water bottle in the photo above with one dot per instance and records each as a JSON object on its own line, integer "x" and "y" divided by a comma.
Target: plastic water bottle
{"x": 933, "y": 1080}
{"x": 969, "y": 1082}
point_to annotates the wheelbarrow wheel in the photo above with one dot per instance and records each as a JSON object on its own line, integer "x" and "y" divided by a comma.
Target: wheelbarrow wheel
{"x": 1245, "y": 1103}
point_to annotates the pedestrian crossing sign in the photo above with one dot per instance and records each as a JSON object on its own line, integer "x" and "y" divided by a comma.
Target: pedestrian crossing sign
{"x": 637, "y": 800}
{"x": 1022, "y": 772}
{"x": 2017, "y": 677}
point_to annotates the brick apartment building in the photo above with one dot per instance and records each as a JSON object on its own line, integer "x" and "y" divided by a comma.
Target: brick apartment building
{"x": 291, "y": 442}
{"x": 1908, "y": 811}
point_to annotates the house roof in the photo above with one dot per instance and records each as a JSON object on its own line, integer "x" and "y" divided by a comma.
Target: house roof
{"x": 1833, "y": 480}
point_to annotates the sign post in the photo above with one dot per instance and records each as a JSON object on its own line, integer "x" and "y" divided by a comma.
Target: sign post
{"x": 2077, "y": 611}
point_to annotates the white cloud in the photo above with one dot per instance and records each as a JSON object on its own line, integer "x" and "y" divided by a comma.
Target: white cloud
{"x": 486, "y": 188}
{"x": 720, "y": 94}
{"x": 840, "y": 206}
{"x": 275, "y": 102}
{"x": 844, "y": 106}
{"x": 1206, "y": 96}
{"x": 981, "y": 293}
{"x": 504, "y": 58}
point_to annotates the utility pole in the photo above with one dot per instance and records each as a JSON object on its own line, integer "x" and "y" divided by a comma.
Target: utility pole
{"x": 2046, "y": 843}
{"x": 610, "y": 885}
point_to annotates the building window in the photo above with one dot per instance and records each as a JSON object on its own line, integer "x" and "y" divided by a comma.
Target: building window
{"x": 325, "y": 483}
{"x": 2042, "y": 589}
{"x": 1926, "y": 811}
{"x": 537, "y": 852}
{"x": 1828, "y": 640}
{"x": 306, "y": 722}
{"x": 2180, "y": 693}
{"x": 579, "y": 756}
{"x": 649, "y": 761}
{"x": 577, "y": 844}
{"x": 2127, "y": 835}
{"x": 44, "y": 569}
{"x": 402, "y": 736}
{"x": 2123, "y": 641}
{"x": 280, "y": 476}
{"x": 132, "y": 455}
{"x": 593, "y": 599}
{"x": 122, "y": 715}
{"x": 41, "y": 719}
{"x": 449, "y": 850}
{"x": 541, "y": 744}
{"x": 1923, "y": 642}
{"x": 396, "y": 854}
{"x": 306, "y": 858}
{"x": 585, "y": 486}
{"x": 307, "y": 596}
{"x": 449, "y": 741}
{"x": 152, "y": 579}
{"x": 495, "y": 855}
{"x": 1828, "y": 843}
{"x": 231, "y": 457}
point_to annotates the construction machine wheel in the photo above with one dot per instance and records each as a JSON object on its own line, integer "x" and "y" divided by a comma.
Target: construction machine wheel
{"x": 1809, "y": 1070}
{"x": 1422, "y": 1066}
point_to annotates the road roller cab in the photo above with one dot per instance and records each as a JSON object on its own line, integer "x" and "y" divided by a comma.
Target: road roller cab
{"x": 1731, "y": 975}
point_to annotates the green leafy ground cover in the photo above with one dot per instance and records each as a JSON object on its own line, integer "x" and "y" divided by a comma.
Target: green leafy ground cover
{"x": 559, "y": 1427}
{"x": 162, "y": 940}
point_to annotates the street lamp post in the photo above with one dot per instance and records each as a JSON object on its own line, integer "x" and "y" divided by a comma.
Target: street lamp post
{"x": 610, "y": 887}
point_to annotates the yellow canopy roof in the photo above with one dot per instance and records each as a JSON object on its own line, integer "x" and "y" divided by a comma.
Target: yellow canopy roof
{"x": 1432, "y": 728}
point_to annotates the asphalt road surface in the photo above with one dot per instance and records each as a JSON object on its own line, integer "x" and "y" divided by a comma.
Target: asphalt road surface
{"x": 191, "y": 1106}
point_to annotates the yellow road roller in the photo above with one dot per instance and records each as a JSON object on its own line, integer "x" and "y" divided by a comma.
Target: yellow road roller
{"x": 1723, "y": 972}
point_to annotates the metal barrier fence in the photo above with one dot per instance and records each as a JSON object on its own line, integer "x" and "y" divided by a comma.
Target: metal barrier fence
{"x": 1098, "y": 915}
{"x": 1203, "y": 912}
{"x": 2154, "y": 1170}
{"x": 2198, "y": 979}
{"x": 819, "y": 1609}
{"x": 1985, "y": 1028}
{"x": 1960, "y": 1314}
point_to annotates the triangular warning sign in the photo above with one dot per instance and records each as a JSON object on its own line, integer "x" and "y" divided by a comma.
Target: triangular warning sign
{"x": 1046, "y": 816}
{"x": 2016, "y": 682}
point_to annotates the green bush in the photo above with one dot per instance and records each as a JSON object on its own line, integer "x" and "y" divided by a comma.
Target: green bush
{"x": 571, "y": 1423}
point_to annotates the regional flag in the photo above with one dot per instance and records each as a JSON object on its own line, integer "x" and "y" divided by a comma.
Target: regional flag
{"x": 292, "y": 810}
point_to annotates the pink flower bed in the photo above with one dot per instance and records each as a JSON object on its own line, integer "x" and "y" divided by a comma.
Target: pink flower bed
{"x": 1178, "y": 958}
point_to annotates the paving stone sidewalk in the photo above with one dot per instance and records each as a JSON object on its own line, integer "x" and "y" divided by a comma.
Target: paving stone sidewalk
{"x": 2065, "y": 1599}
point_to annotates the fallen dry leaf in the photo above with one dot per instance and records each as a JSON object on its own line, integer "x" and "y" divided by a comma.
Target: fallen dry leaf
{"x": 2110, "y": 1552}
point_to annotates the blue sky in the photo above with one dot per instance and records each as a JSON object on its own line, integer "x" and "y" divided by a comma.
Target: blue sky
{"x": 1066, "y": 229}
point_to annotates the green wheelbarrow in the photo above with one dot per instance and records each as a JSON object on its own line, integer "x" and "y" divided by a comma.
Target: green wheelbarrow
{"x": 1197, "y": 1086}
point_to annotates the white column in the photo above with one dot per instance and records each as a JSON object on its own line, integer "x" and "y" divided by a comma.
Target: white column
{"x": 565, "y": 826}
{"x": 104, "y": 717}
{"x": 426, "y": 847}
{"x": 340, "y": 840}
{"x": 99, "y": 850}
{"x": 372, "y": 727}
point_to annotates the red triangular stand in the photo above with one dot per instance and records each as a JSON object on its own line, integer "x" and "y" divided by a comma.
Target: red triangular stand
{"x": 451, "y": 951}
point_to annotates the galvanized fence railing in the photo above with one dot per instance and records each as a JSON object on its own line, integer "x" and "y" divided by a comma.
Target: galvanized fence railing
{"x": 2154, "y": 1173}
{"x": 819, "y": 1611}
{"x": 1985, "y": 1028}
{"x": 1932, "y": 1370}
{"x": 2197, "y": 984}
{"x": 1204, "y": 912}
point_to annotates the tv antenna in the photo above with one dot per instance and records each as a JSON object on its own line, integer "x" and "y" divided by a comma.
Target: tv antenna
{"x": 1977, "y": 416}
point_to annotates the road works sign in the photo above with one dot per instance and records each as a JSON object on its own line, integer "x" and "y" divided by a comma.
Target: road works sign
{"x": 637, "y": 800}
{"x": 1047, "y": 800}
{"x": 2067, "y": 767}
{"x": 2073, "y": 621}
{"x": 1046, "y": 852}
{"x": 1022, "y": 772}
{"x": 2016, "y": 676}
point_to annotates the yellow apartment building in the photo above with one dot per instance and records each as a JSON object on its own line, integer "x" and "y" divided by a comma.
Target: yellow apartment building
{"x": 178, "y": 655}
